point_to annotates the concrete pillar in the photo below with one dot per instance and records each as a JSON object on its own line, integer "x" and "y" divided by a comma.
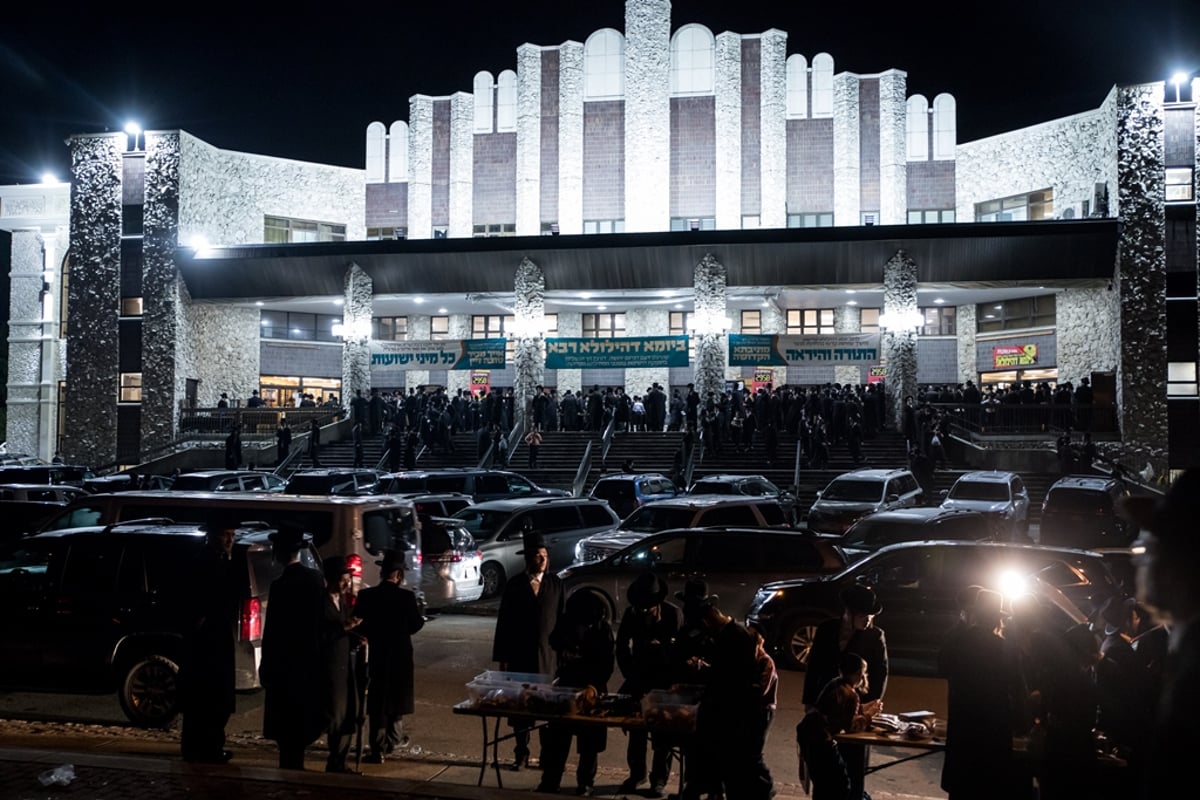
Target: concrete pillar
{"x": 773, "y": 129}
{"x": 570, "y": 139}
{"x": 459, "y": 328}
{"x": 420, "y": 167}
{"x": 893, "y": 153}
{"x": 162, "y": 291}
{"x": 529, "y": 313}
{"x": 968, "y": 360}
{"x": 900, "y": 340}
{"x": 847, "y": 160}
{"x": 419, "y": 330}
{"x": 847, "y": 319}
{"x": 356, "y": 337}
{"x": 774, "y": 320}
{"x": 31, "y": 392}
{"x": 462, "y": 165}
{"x": 728, "y": 130}
{"x": 708, "y": 326}
{"x": 529, "y": 140}
{"x": 647, "y": 115}
{"x": 653, "y": 321}
{"x": 570, "y": 325}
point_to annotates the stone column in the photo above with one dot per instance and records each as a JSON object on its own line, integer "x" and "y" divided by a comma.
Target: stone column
{"x": 460, "y": 328}
{"x": 647, "y": 115}
{"x": 161, "y": 292}
{"x": 420, "y": 167}
{"x": 529, "y": 313}
{"x": 570, "y": 325}
{"x": 94, "y": 296}
{"x": 900, "y": 343}
{"x": 419, "y": 330}
{"x": 570, "y": 139}
{"x": 709, "y": 326}
{"x": 847, "y": 319}
{"x": 30, "y": 386}
{"x": 529, "y": 140}
{"x": 773, "y": 129}
{"x": 774, "y": 321}
{"x": 968, "y": 360}
{"x": 1141, "y": 276}
{"x": 651, "y": 321}
{"x": 462, "y": 165}
{"x": 728, "y": 130}
{"x": 847, "y": 160}
{"x": 893, "y": 153}
{"x": 358, "y": 295}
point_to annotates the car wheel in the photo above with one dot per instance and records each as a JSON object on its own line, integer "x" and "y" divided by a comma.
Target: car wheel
{"x": 610, "y": 608}
{"x": 150, "y": 691}
{"x": 493, "y": 579}
{"x": 796, "y": 641}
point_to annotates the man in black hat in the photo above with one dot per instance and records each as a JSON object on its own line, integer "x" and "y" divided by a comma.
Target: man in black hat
{"x": 291, "y": 653}
{"x": 529, "y": 610}
{"x": 1168, "y": 563}
{"x": 693, "y": 654}
{"x": 645, "y": 639}
{"x": 207, "y": 671}
{"x": 338, "y": 645}
{"x": 389, "y": 617}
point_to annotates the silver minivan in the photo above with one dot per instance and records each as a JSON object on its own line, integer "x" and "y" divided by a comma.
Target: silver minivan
{"x": 851, "y": 496}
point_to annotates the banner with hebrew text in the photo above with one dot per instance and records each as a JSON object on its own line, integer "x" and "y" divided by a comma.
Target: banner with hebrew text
{"x": 628, "y": 351}
{"x": 841, "y": 349}
{"x": 387, "y": 356}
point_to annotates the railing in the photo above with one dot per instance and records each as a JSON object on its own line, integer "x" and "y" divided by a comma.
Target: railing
{"x": 607, "y": 438}
{"x": 383, "y": 459}
{"x": 585, "y": 466}
{"x": 1014, "y": 418}
{"x": 255, "y": 423}
{"x": 296, "y": 450}
{"x": 694, "y": 454}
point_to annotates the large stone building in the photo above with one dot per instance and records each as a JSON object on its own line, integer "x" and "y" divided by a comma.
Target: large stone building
{"x": 660, "y": 181}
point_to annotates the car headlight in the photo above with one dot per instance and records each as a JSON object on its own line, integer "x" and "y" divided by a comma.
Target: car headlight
{"x": 761, "y": 597}
{"x": 563, "y": 574}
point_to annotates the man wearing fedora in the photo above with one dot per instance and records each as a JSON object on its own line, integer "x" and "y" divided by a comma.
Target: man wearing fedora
{"x": 853, "y": 632}
{"x": 291, "y": 653}
{"x": 530, "y": 608}
{"x": 693, "y": 653}
{"x": 338, "y": 645}
{"x": 645, "y": 638}
{"x": 389, "y": 617}
{"x": 1168, "y": 566}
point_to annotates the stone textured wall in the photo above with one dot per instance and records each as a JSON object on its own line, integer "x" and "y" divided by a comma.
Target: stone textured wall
{"x": 810, "y": 165}
{"x": 773, "y": 128}
{"x": 420, "y": 328}
{"x": 751, "y": 130}
{"x": 847, "y": 319}
{"x": 728, "y": 130}
{"x": 968, "y": 364}
{"x": 529, "y": 140}
{"x": 693, "y": 157}
{"x": 900, "y": 346}
{"x": 646, "y": 322}
{"x": 25, "y": 362}
{"x": 648, "y": 114}
{"x": 462, "y": 165}
{"x": 893, "y": 155}
{"x": 708, "y": 324}
{"x": 225, "y": 349}
{"x": 92, "y": 346}
{"x": 420, "y": 167}
{"x": 1141, "y": 281}
{"x": 160, "y": 290}
{"x": 529, "y": 312}
{"x": 1068, "y": 155}
{"x": 460, "y": 328}
{"x": 570, "y": 138}
{"x": 356, "y": 323}
{"x": 570, "y": 324}
{"x": 604, "y": 160}
{"x": 846, "y": 155}
{"x": 1088, "y": 332}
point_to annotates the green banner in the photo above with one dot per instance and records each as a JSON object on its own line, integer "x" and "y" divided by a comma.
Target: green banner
{"x": 389, "y": 356}
{"x": 630, "y": 351}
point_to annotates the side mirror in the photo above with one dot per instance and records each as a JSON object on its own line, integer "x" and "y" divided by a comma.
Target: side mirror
{"x": 891, "y": 498}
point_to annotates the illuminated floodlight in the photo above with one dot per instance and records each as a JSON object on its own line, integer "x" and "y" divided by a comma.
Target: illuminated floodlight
{"x": 199, "y": 245}
{"x": 418, "y": 300}
{"x": 1178, "y": 79}
{"x": 134, "y": 130}
{"x": 1012, "y": 584}
{"x": 337, "y": 301}
{"x": 49, "y": 179}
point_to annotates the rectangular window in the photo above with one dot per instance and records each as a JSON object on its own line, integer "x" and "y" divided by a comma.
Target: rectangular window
{"x": 389, "y": 329}
{"x": 375, "y": 234}
{"x": 297, "y": 326}
{"x": 868, "y": 320}
{"x": 751, "y": 322}
{"x": 1023, "y": 312}
{"x": 549, "y": 229}
{"x": 870, "y": 218}
{"x": 439, "y": 328}
{"x": 809, "y": 321}
{"x": 930, "y": 216}
{"x": 131, "y": 388}
{"x": 821, "y": 220}
{"x": 604, "y": 226}
{"x": 494, "y": 229}
{"x": 750, "y": 221}
{"x": 939, "y": 321}
{"x": 1181, "y": 379}
{"x": 283, "y": 230}
{"x": 603, "y": 326}
{"x": 1179, "y": 186}
{"x": 695, "y": 223}
{"x": 681, "y": 325}
{"x": 1018, "y": 208}
{"x": 131, "y": 306}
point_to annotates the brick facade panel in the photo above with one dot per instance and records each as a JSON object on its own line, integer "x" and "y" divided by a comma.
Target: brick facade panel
{"x": 937, "y": 360}
{"x": 495, "y": 180}
{"x": 441, "y": 162}
{"x": 549, "y": 138}
{"x": 604, "y": 160}
{"x": 931, "y": 185}
{"x": 751, "y": 126}
{"x": 693, "y": 157}
{"x": 868, "y": 143}
{"x": 810, "y": 165}
{"x": 387, "y": 205}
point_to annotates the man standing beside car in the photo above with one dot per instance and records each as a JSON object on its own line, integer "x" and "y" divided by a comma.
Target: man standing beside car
{"x": 206, "y": 676}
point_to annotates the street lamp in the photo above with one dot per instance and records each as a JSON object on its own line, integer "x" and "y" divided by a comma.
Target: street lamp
{"x": 134, "y": 130}
{"x": 1177, "y": 79}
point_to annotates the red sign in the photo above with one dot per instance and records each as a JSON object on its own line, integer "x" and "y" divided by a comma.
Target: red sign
{"x": 1014, "y": 355}
{"x": 876, "y": 374}
{"x": 481, "y": 381}
{"x": 763, "y": 378}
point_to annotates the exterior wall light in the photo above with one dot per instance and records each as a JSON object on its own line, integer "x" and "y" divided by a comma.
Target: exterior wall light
{"x": 901, "y": 321}
{"x": 134, "y": 130}
{"x": 1177, "y": 79}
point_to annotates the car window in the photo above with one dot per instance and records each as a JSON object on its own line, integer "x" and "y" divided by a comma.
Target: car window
{"x": 445, "y": 483}
{"x": 665, "y": 552}
{"x": 518, "y": 486}
{"x": 79, "y": 517}
{"x": 1018, "y": 486}
{"x": 1075, "y": 500}
{"x": 42, "y": 494}
{"x": 482, "y": 524}
{"x": 231, "y": 485}
{"x": 273, "y": 481}
{"x": 987, "y": 491}
{"x": 167, "y": 568}
{"x": 613, "y": 490}
{"x": 24, "y": 567}
{"x": 896, "y": 570}
{"x": 388, "y": 529}
{"x": 410, "y": 484}
{"x": 655, "y": 517}
{"x": 894, "y": 487}
{"x": 555, "y": 518}
{"x": 874, "y": 532}
{"x": 728, "y": 553}
{"x": 734, "y": 515}
{"x": 791, "y": 552}
{"x": 772, "y": 513}
{"x": 908, "y": 483}
{"x": 91, "y": 566}
{"x": 253, "y": 483}
{"x": 596, "y": 515}
{"x": 853, "y": 491}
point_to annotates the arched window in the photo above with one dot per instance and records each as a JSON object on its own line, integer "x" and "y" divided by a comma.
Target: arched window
{"x": 692, "y": 60}
{"x": 483, "y": 102}
{"x": 945, "y": 127}
{"x": 797, "y": 87}
{"x": 398, "y": 152}
{"x": 822, "y": 85}
{"x": 918, "y": 128}
{"x": 506, "y": 101}
{"x": 376, "y": 134}
{"x": 604, "y": 65}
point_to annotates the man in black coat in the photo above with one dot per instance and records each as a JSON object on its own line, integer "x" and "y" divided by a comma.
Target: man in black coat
{"x": 291, "y": 653}
{"x": 283, "y": 442}
{"x": 389, "y": 617}
{"x": 233, "y": 447}
{"x": 206, "y": 677}
{"x": 338, "y": 646}
{"x": 359, "y": 408}
{"x": 529, "y": 610}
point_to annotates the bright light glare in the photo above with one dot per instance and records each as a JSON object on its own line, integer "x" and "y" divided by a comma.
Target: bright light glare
{"x": 1012, "y": 584}
{"x": 132, "y": 128}
{"x": 49, "y": 178}
{"x": 199, "y": 245}
{"x": 418, "y": 300}
{"x": 1178, "y": 78}
{"x": 337, "y": 301}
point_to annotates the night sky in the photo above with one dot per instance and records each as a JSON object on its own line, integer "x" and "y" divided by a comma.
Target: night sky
{"x": 307, "y": 85}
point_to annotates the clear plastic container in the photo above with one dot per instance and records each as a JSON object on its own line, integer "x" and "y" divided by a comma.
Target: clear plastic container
{"x": 669, "y": 710}
{"x": 501, "y": 676}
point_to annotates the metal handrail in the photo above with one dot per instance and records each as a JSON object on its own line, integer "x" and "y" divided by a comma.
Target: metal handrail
{"x": 1018, "y": 418}
{"x": 607, "y": 438}
{"x": 696, "y": 454}
{"x": 296, "y": 451}
{"x": 585, "y": 466}
{"x": 515, "y": 435}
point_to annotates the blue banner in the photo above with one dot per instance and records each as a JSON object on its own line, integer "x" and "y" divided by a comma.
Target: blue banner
{"x": 459, "y": 354}
{"x": 631, "y": 351}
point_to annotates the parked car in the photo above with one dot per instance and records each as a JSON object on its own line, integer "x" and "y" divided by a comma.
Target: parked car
{"x": 334, "y": 481}
{"x": 626, "y": 492}
{"x": 22, "y": 517}
{"x": 126, "y": 482}
{"x": 917, "y": 584}
{"x": 498, "y": 525}
{"x": 1000, "y": 494}
{"x": 450, "y": 563}
{"x": 480, "y": 484}
{"x": 106, "y": 609}
{"x": 853, "y": 495}
{"x": 440, "y": 504}
{"x": 748, "y": 485}
{"x": 683, "y": 512}
{"x": 45, "y": 473}
{"x": 42, "y": 493}
{"x": 228, "y": 480}
{"x": 878, "y": 530}
{"x": 733, "y": 561}
{"x": 1081, "y": 511}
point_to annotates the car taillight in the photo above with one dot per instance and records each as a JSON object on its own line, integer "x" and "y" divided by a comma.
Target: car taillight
{"x": 417, "y": 558}
{"x": 251, "y": 627}
{"x": 354, "y": 564}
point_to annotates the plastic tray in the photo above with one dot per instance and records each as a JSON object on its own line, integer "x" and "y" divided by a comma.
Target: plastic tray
{"x": 500, "y": 676}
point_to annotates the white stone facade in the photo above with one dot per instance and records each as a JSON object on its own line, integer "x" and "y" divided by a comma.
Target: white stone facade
{"x": 1087, "y": 339}
{"x": 893, "y": 157}
{"x": 570, "y": 138}
{"x": 648, "y": 114}
{"x": 773, "y": 128}
{"x": 529, "y": 140}
{"x": 847, "y": 166}
{"x": 728, "y": 130}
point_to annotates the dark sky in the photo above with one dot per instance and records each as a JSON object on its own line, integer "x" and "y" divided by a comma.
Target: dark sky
{"x": 306, "y": 85}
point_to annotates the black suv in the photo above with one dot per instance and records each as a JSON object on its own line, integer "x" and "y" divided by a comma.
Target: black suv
{"x": 748, "y": 486}
{"x": 104, "y": 609}
{"x": 480, "y": 484}
{"x": 1081, "y": 511}
{"x": 334, "y": 481}
{"x": 917, "y": 583}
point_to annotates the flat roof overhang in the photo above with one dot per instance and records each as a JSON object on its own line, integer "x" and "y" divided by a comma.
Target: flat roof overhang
{"x": 1001, "y": 252}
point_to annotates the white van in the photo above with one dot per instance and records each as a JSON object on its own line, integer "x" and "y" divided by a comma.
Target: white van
{"x": 359, "y": 528}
